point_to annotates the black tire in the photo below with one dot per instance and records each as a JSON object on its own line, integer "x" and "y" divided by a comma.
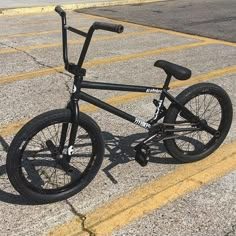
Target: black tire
{"x": 202, "y": 100}
{"x": 36, "y": 175}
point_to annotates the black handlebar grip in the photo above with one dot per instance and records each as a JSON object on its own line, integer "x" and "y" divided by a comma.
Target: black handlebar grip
{"x": 60, "y": 11}
{"x": 108, "y": 27}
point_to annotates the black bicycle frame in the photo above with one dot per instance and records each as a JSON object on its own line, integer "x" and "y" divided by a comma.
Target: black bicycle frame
{"x": 77, "y": 94}
{"x": 185, "y": 113}
{"x": 79, "y": 73}
{"x": 117, "y": 87}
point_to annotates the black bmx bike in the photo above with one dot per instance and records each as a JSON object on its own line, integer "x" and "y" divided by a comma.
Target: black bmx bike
{"x": 58, "y": 153}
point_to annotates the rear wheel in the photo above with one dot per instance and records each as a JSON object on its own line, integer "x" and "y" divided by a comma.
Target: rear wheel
{"x": 38, "y": 174}
{"x": 210, "y": 103}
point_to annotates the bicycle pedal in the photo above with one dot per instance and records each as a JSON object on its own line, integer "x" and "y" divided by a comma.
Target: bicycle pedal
{"x": 142, "y": 155}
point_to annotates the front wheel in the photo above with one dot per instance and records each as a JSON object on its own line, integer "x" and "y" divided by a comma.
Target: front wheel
{"x": 41, "y": 176}
{"x": 209, "y": 102}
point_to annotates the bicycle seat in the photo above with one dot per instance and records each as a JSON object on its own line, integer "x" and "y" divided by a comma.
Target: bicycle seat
{"x": 179, "y": 72}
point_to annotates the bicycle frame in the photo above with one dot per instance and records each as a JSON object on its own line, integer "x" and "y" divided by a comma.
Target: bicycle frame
{"x": 118, "y": 87}
{"x": 79, "y": 95}
{"x": 79, "y": 83}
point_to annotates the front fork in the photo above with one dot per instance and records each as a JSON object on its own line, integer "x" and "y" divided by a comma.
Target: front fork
{"x": 73, "y": 105}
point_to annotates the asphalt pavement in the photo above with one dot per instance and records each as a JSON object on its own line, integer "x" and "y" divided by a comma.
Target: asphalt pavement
{"x": 209, "y": 18}
{"x": 163, "y": 198}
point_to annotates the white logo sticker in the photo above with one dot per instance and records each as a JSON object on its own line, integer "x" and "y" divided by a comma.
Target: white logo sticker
{"x": 158, "y": 109}
{"x": 142, "y": 123}
{"x": 152, "y": 91}
{"x": 70, "y": 150}
{"x": 74, "y": 89}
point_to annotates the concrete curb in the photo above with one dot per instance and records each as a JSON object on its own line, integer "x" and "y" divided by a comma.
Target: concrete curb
{"x": 50, "y": 8}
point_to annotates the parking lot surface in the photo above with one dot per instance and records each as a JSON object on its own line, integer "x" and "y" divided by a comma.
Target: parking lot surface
{"x": 209, "y": 18}
{"x": 165, "y": 197}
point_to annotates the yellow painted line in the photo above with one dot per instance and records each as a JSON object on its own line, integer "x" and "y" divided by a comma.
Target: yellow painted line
{"x": 47, "y": 71}
{"x": 30, "y": 75}
{"x": 205, "y": 77}
{"x": 70, "y": 20}
{"x": 26, "y": 10}
{"x": 34, "y": 33}
{"x": 12, "y": 128}
{"x": 147, "y": 53}
{"x": 52, "y": 20}
{"x": 56, "y": 20}
{"x": 153, "y": 195}
{"x": 55, "y": 31}
{"x": 216, "y": 41}
{"x": 202, "y": 38}
{"x": 71, "y": 42}
{"x": 45, "y": 9}
{"x": 129, "y": 97}
{"x": 29, "y": 34}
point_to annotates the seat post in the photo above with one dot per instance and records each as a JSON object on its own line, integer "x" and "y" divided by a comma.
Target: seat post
{"x": 167, "y": 82}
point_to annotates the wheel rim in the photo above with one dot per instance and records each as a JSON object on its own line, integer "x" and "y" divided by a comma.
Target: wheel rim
{"x": 207, "y": 107}
{"x": 42, "y": 173}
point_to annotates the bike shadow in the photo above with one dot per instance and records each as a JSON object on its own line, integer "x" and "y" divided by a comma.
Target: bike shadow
{"x": 6, "y": 190}
{"x": 118, "y": 150}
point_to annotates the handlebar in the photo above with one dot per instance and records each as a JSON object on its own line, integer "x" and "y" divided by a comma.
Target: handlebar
{"x": 96, "y": 26}
{"x": 60, "y": 11}
{"x": 108, "y": 27}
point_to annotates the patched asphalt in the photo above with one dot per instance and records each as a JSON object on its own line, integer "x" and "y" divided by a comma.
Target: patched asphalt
{"x": 209, "y": 18}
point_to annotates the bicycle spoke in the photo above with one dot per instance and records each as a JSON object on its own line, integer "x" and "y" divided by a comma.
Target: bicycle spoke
{"x": 206, "y": 107}
{"x": 40, "y": 167}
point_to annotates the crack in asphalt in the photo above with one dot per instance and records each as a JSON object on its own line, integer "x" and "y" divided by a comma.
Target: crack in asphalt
{"x": 27, "y": 54}
{"x": 40, "y": 63}
{"x": 81, "y": 217}
{"x": 233, "y": 232}
{"x": 68, "y": 87}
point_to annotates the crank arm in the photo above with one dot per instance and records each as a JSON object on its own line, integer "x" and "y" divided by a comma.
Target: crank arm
{"x": 146, "y": 140}
{"x": 62, "y": 162}
{"x": 65, "y": 165}
{"x": 53, "y": 149}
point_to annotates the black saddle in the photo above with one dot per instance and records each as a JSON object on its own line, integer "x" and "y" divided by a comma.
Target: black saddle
{"x": 179, "y": 72}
